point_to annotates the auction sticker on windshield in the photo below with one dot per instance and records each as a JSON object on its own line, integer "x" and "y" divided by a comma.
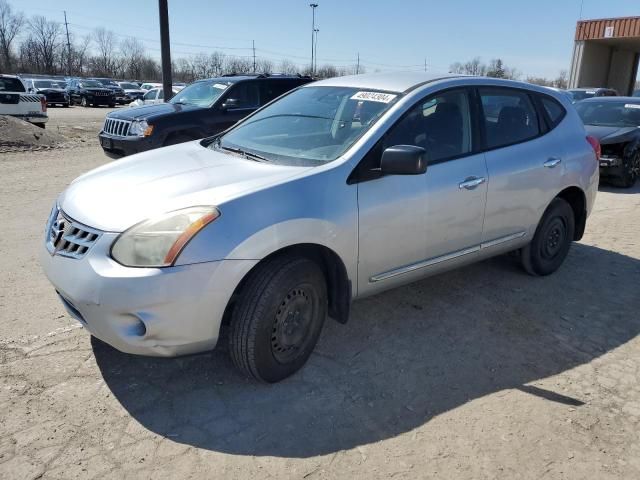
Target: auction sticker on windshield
{"x": 222, "y": 86}
{"x": 632, "y": 105}
{"x": 374, "y": 97}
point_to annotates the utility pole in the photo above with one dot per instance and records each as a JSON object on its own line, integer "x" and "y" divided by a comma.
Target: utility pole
{"x": 358, "y": 64}
{"x": 254, "y": 55}
{"x": 66, "y": 26}
{"x": 425, "y": 64}
{"x": 165, "y": 50}
{"x": 313, "y": 34}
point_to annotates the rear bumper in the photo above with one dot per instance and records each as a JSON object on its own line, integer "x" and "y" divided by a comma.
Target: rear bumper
{"x": 145, "y": 311}
{"x": 123, "y": 146}
{"x": 44, "y": 118}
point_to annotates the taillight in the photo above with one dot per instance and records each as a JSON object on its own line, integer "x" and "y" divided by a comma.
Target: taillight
{"x": 43, "y": 104}
{"x": 595, "y": 144}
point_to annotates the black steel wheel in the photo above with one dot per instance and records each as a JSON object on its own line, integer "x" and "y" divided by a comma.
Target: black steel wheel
{"x": 278, "y": 318}
{"x": 552, "y": 240}
{"x": 630, "y": 172}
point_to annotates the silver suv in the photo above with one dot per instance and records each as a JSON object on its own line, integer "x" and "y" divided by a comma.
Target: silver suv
{"x": 339, "y": 189}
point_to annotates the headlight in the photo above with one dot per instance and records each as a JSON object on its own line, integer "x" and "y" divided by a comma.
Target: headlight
{"x": 140, "y": 128}
{"x": 157, "y": 242}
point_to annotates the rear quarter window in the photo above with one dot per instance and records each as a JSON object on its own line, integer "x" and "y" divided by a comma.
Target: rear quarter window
{"x": 11, "y": 85}
{"x": 555, "y": 112}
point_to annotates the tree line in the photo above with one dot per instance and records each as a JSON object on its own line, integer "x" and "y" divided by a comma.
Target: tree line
{"x": 39, "y": 45}
{"x": 498, "y": 69}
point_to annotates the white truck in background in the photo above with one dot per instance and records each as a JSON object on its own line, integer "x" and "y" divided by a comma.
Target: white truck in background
{"x": 16, "y": 102}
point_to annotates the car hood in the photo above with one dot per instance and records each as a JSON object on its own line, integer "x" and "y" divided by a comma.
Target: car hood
{"x": 608, "y": 135}
{"x": 152, "y": 111}
{"x": 122, "y": 193}
{"x": 50, "y": 90}
{"x": 133, "y": 90}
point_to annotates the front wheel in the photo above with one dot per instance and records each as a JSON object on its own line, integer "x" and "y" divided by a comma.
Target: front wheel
{"x": 552, "y": 240}
{"x": 278, "y": 318}
{"x": 84, "y": 102}
{"x": 630, "y": 172}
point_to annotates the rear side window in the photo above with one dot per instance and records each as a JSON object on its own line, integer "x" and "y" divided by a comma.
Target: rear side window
{"x": 11, "y": 85}
{"x": 555, "y": 111}
{"x": 509, "y": 116}
{"x": 247, "y": 94}
{"x": 274, "y": 88}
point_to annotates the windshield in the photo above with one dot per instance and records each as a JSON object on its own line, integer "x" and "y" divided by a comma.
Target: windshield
{"x": 578, "y": 95}
{"x": 310, "y": 126}
{"x": 47, "y": 84}
{"x": 129, "y": 86}
{"x": 610, "y": 114}
{"x": 90, "y": 84}
{"x": 202, "y": 94}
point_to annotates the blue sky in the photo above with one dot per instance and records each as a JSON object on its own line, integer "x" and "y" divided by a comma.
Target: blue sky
{"x": 536, "y": 37}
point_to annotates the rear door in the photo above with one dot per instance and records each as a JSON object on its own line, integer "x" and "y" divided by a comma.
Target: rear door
{"x": 412, "y": 225}
{"x": 524, "y": 163}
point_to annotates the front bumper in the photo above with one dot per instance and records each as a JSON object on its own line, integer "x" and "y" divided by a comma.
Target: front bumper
{"x": 610, "y": 166}
{"x": 122, "y": 146}
{"x": 146, "y": 311}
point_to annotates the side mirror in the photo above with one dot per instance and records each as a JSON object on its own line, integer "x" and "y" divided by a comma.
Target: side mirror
{"x": 404, "y": 160}
{"x": 230, "y": 103}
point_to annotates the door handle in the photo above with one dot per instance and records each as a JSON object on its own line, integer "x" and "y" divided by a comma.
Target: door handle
{"x": 471, "y": 182}
{"x": 552, "y": 162}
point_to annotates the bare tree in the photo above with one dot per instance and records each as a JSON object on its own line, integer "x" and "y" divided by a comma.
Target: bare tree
{"x": 10, "y": 25}
{"x": 562, "y": 80}
{"x": 288, "y": 67}
{"x": 45, "y": 41}
{"x": 132, "y": 53}
{"x": 104, "y": 63}
{"x": 238, "y": 65}
{"x": 264, "y": 65}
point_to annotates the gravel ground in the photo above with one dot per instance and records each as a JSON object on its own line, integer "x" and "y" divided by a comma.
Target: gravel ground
{"x": 483, "y": 372}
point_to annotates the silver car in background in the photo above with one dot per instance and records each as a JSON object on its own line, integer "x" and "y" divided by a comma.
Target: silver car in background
{"x": 337, "y": 190}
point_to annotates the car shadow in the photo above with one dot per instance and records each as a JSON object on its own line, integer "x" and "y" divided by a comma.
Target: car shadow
{"x": 404, "y": 357}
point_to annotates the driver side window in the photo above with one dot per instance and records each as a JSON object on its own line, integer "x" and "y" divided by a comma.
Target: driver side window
{"x": 150, "y": 95}
{"x": 441, "y": 125}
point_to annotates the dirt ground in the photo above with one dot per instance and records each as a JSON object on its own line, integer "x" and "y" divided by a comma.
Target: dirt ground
{"x": 483, "y": 372}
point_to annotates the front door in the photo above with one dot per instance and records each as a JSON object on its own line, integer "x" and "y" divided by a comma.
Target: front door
{"x": 412, "y": 225}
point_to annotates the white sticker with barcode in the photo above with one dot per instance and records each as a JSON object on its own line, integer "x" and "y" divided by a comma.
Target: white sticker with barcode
{"x": 374, "y": 97}
{"x": 632, "y": 105}
{"x": 221, "y": 86}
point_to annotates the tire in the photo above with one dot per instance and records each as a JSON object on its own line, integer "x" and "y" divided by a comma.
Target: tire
{"x": 84, "y": 102}
{"x": 112, "y": 105}
{"x": 630, "y": 172}
{"x": 65, "y": 105}
{"x": 278, "y": 318}
{"x": 176, "y": 139}
{"x": 552, "y": 240}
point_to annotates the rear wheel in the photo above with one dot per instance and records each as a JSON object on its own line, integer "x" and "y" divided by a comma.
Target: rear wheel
{"x": 84, "y": 102}
{"x": 278, "y": 319}
{"x": 552, "y": 240}
{"x": 630, "y": 172}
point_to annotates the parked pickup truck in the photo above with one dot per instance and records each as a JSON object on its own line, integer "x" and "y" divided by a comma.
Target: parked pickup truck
{"x": 15, "y": 101}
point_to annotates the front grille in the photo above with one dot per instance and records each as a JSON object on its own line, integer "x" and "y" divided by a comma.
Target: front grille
{"x": 68, "y": 238}
{"x": 115, "y": 127}
{"x": 30, "y": 98}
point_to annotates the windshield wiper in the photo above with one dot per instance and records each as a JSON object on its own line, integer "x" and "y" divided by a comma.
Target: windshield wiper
{"x": 244, "y": 153}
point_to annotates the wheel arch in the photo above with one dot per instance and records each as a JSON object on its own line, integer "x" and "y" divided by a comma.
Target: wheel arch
{"x": 577, "y": 199}
{"x": 334, "y": 269}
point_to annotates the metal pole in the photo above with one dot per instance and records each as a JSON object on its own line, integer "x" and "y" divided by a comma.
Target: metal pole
{"x": 313, "y": 33}
{"x": 66, "y": 26}
{"x": 358, "y": 64}
{"x": 254, "y": 55}
{"x": 165, "y": 50}
{"x": 315, "y": 54}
